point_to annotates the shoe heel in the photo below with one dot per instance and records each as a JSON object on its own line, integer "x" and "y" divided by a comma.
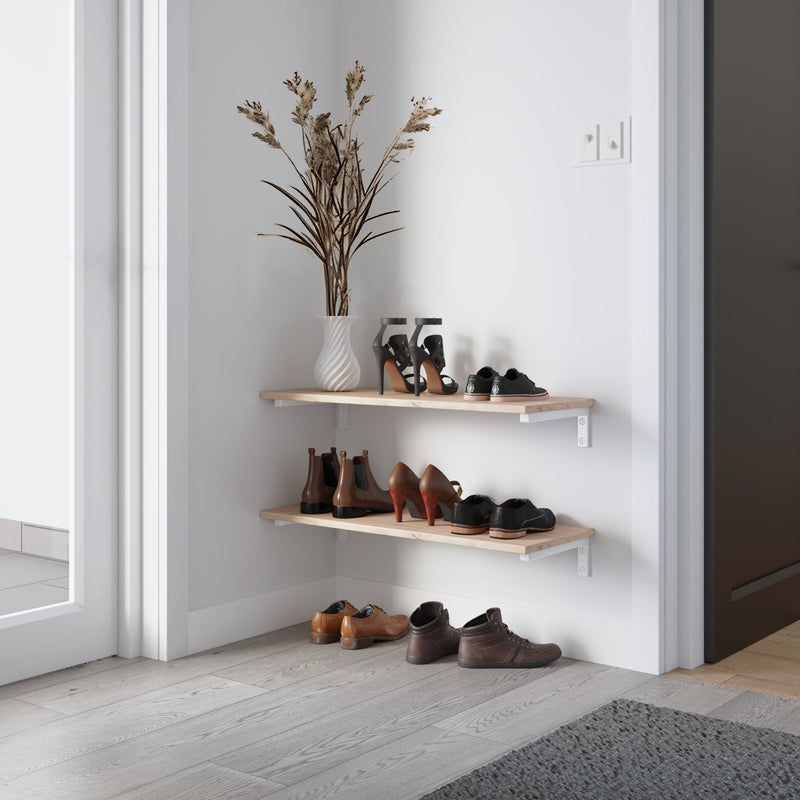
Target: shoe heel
{"x": 356, "y": 644}
{"x": 348, "y": 512}
{"x": 431, "y": 502}
{"x": 398, "y": 501}
{"x": 324, "y": 638}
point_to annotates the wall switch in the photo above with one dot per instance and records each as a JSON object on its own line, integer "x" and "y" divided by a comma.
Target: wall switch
{"x": 612, "y": 143}
{"x": 588, "y": 149}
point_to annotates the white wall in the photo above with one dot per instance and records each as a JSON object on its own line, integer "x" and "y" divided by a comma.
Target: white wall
{"x": 34, "y": 261}
{"x": 526, "y": 257}
{"x": 252, "y": 303}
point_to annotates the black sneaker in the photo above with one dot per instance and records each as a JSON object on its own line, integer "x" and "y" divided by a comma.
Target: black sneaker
{"x": 472, "y": 514}
{"x": 479, "y": 384}
{"x": 515, "y": 386}
{"x": 514, "y": 518}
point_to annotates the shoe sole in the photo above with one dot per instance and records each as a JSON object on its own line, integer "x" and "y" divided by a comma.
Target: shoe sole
{"x": 316, "y": 508}
{"x": 504, "y": 533}
{"x": 324, "y": 638}
{"x": 348, "y": 512}
{"x": 428, "y": 660}
{"x": 515, "y": 398}
{"x": 479, "y": 397}
{"x": 468, "y": 530}
{"x": 361, "y": 642}
{"x": 480, "y": 665}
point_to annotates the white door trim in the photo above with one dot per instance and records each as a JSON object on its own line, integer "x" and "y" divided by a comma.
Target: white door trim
{"x": 685, "y": 334}
{"x": 154, "y": 339}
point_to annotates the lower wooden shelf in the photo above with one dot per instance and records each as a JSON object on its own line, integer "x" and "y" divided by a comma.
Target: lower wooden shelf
{"x": 531, "y": 547}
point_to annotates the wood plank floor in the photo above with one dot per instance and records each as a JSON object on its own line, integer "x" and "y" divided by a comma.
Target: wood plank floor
{"x": 771, "y": 666}
{"x": 276, "y": 717}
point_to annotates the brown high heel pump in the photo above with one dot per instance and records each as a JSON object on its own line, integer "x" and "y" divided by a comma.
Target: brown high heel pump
{"x": 404, "y": 489}
{"x": 438, "y": 494}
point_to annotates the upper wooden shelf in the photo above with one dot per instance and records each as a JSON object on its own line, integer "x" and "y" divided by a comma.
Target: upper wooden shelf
{"x": 528, "y": 548}
{"x": 445, "y": 402}
{"x": 530, "y": 411}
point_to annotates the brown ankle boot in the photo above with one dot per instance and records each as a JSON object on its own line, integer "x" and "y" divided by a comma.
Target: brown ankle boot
{"x": 487, "y": 642}
{"x": 432, "y": 635}
{"x": 358, "y": 492}
{"x": 323, "y": 477}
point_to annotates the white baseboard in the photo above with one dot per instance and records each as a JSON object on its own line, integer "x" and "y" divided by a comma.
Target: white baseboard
{"x": 585, "y": 637}
{"x": 252, "y": 616}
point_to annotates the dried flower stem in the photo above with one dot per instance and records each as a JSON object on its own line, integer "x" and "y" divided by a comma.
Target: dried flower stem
{"x": 332, "y": 203}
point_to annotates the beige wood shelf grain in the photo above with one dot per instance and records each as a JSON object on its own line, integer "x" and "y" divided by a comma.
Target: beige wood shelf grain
{"x": 453, "y": 402}
{"x": 562, "y": 537}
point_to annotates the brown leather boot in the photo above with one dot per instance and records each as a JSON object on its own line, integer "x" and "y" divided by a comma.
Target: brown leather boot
{"x": 438, "y": 493}
{"x": 487, "y": 642}
{"x": 326, "y": 626}
{"x": 358, "y": 492}
{"x": 432, "y": 635}
{"x": 372, "y": 624}
{"x": 323, "y": 477}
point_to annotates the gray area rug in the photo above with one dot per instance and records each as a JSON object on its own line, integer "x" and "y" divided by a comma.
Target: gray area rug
{"x": 627, "y": 750}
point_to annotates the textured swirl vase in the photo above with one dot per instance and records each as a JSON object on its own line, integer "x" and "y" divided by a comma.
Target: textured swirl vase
{"x": 336, "y": 368}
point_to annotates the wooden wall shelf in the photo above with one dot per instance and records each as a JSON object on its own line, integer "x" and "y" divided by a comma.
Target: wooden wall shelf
{"x": 532, "y": 411}
{"x": 531, "y": 547}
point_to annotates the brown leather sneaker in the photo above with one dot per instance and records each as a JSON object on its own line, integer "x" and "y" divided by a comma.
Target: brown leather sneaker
{"x": 432, "y": 635}
{"x": 487, "y": 642}
{"x": 372, "y": 624}
{"x": 326, "y": 626}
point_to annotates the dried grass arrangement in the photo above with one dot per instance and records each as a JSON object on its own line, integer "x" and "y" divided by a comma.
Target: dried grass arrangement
{"x": 333, "y": 203}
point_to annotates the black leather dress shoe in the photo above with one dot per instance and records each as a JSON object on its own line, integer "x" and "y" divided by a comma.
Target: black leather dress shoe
{"x": 514, "y": 518}
{"x": 472, "y": 514}
{"x": 515, "y": 386}
{"x": 479, "y": 384}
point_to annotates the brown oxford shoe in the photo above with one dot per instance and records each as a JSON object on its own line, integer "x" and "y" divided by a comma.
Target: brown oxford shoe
{"x": 432, "y": 636}
{"x": 487, "y": 642}
{"x": 326, "y": 626}
{"x": 372, "y": 624}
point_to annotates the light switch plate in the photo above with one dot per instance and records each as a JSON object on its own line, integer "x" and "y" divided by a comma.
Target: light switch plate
{"x": 612, "y": 142}
{"x": 587, "y": 143}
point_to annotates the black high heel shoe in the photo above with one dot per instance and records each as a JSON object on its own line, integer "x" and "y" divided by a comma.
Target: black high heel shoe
{"x": 431, "y": 356}
{"x": 395, "y": 357}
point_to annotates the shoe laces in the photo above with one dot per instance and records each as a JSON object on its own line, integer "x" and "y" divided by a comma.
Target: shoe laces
{"x": 516, "y": 638}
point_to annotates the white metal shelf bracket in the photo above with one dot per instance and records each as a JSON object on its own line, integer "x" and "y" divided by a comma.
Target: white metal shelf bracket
{"x": 342, "y": 418}
{"x": 583, "y": 546}
{"x": 583, "y": 417}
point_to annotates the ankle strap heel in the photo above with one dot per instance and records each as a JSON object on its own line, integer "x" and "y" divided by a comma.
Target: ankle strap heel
{"x": 431, "y": 356}
{"x": 394, "y": 357}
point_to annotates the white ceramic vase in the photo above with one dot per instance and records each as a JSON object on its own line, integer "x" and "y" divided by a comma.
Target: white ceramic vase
{"x": 336, "y": 368}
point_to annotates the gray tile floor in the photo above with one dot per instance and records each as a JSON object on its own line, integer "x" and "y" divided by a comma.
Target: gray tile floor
{"x": 276, "y": 717}
{"x": 30, "y": 582}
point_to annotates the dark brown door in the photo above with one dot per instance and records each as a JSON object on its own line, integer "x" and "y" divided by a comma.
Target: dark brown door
{"x": 753, "y": 321}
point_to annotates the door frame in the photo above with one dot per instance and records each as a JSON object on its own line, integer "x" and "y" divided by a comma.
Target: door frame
{"x": 153, "y": 329}
{"x": 85, "y": 628}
